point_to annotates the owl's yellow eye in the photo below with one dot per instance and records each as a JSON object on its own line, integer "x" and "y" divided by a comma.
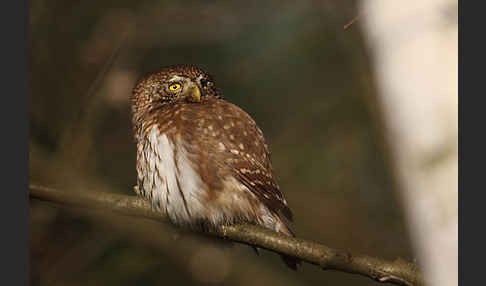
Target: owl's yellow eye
{"x": 175, "y": 86}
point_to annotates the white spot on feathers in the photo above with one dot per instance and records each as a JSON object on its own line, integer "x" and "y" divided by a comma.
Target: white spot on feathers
{"x": 221, "y": 146}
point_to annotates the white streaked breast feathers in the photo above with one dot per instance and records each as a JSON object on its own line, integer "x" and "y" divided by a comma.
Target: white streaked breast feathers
{"x": 168, "y": 178}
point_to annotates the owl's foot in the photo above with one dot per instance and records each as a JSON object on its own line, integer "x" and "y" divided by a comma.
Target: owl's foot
{"x": 137, "y": 191}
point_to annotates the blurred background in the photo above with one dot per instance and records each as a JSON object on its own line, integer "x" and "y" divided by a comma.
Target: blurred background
{"x": 305, "y": 80}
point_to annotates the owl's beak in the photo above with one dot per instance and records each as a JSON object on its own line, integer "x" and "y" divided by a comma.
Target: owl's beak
{"x": 195, "y": 95}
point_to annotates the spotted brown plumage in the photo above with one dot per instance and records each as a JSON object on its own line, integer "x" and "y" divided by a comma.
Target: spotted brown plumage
{"x": 200, "y": 159}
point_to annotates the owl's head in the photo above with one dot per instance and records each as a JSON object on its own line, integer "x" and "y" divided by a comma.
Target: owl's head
{"x": 172, "y": 84}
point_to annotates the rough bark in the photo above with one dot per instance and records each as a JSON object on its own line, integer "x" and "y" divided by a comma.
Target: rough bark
{"x": 397, "y": 272}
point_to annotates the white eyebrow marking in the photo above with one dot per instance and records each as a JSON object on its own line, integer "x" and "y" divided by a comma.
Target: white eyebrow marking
{"x": 176, "y": 78}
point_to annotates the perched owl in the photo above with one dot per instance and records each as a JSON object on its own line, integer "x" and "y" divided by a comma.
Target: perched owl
{"x": 200, "y": 159}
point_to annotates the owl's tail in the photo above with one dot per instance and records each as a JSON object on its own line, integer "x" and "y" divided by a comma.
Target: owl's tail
{"x": 292, "y": 262}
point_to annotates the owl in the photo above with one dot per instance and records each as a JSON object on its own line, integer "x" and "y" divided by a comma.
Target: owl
{"x": 201, "y": 160}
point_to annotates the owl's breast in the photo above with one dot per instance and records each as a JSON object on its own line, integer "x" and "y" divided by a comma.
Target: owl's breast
{"x": 167, "y": 176}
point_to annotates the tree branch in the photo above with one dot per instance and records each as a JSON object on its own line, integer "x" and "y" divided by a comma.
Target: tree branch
{"x": 397, "y": 272}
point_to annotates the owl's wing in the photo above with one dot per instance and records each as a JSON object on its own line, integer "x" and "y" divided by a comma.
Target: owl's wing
{"x": 247, "y": 155}
{"x": 261, "y": 183}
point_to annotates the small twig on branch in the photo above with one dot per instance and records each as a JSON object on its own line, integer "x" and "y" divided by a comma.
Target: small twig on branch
{"x": 396, "y": 272}
{"x": 351, "y": 22}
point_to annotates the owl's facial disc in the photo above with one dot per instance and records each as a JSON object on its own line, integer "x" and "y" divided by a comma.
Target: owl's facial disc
{"x": 185, "y": 88}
